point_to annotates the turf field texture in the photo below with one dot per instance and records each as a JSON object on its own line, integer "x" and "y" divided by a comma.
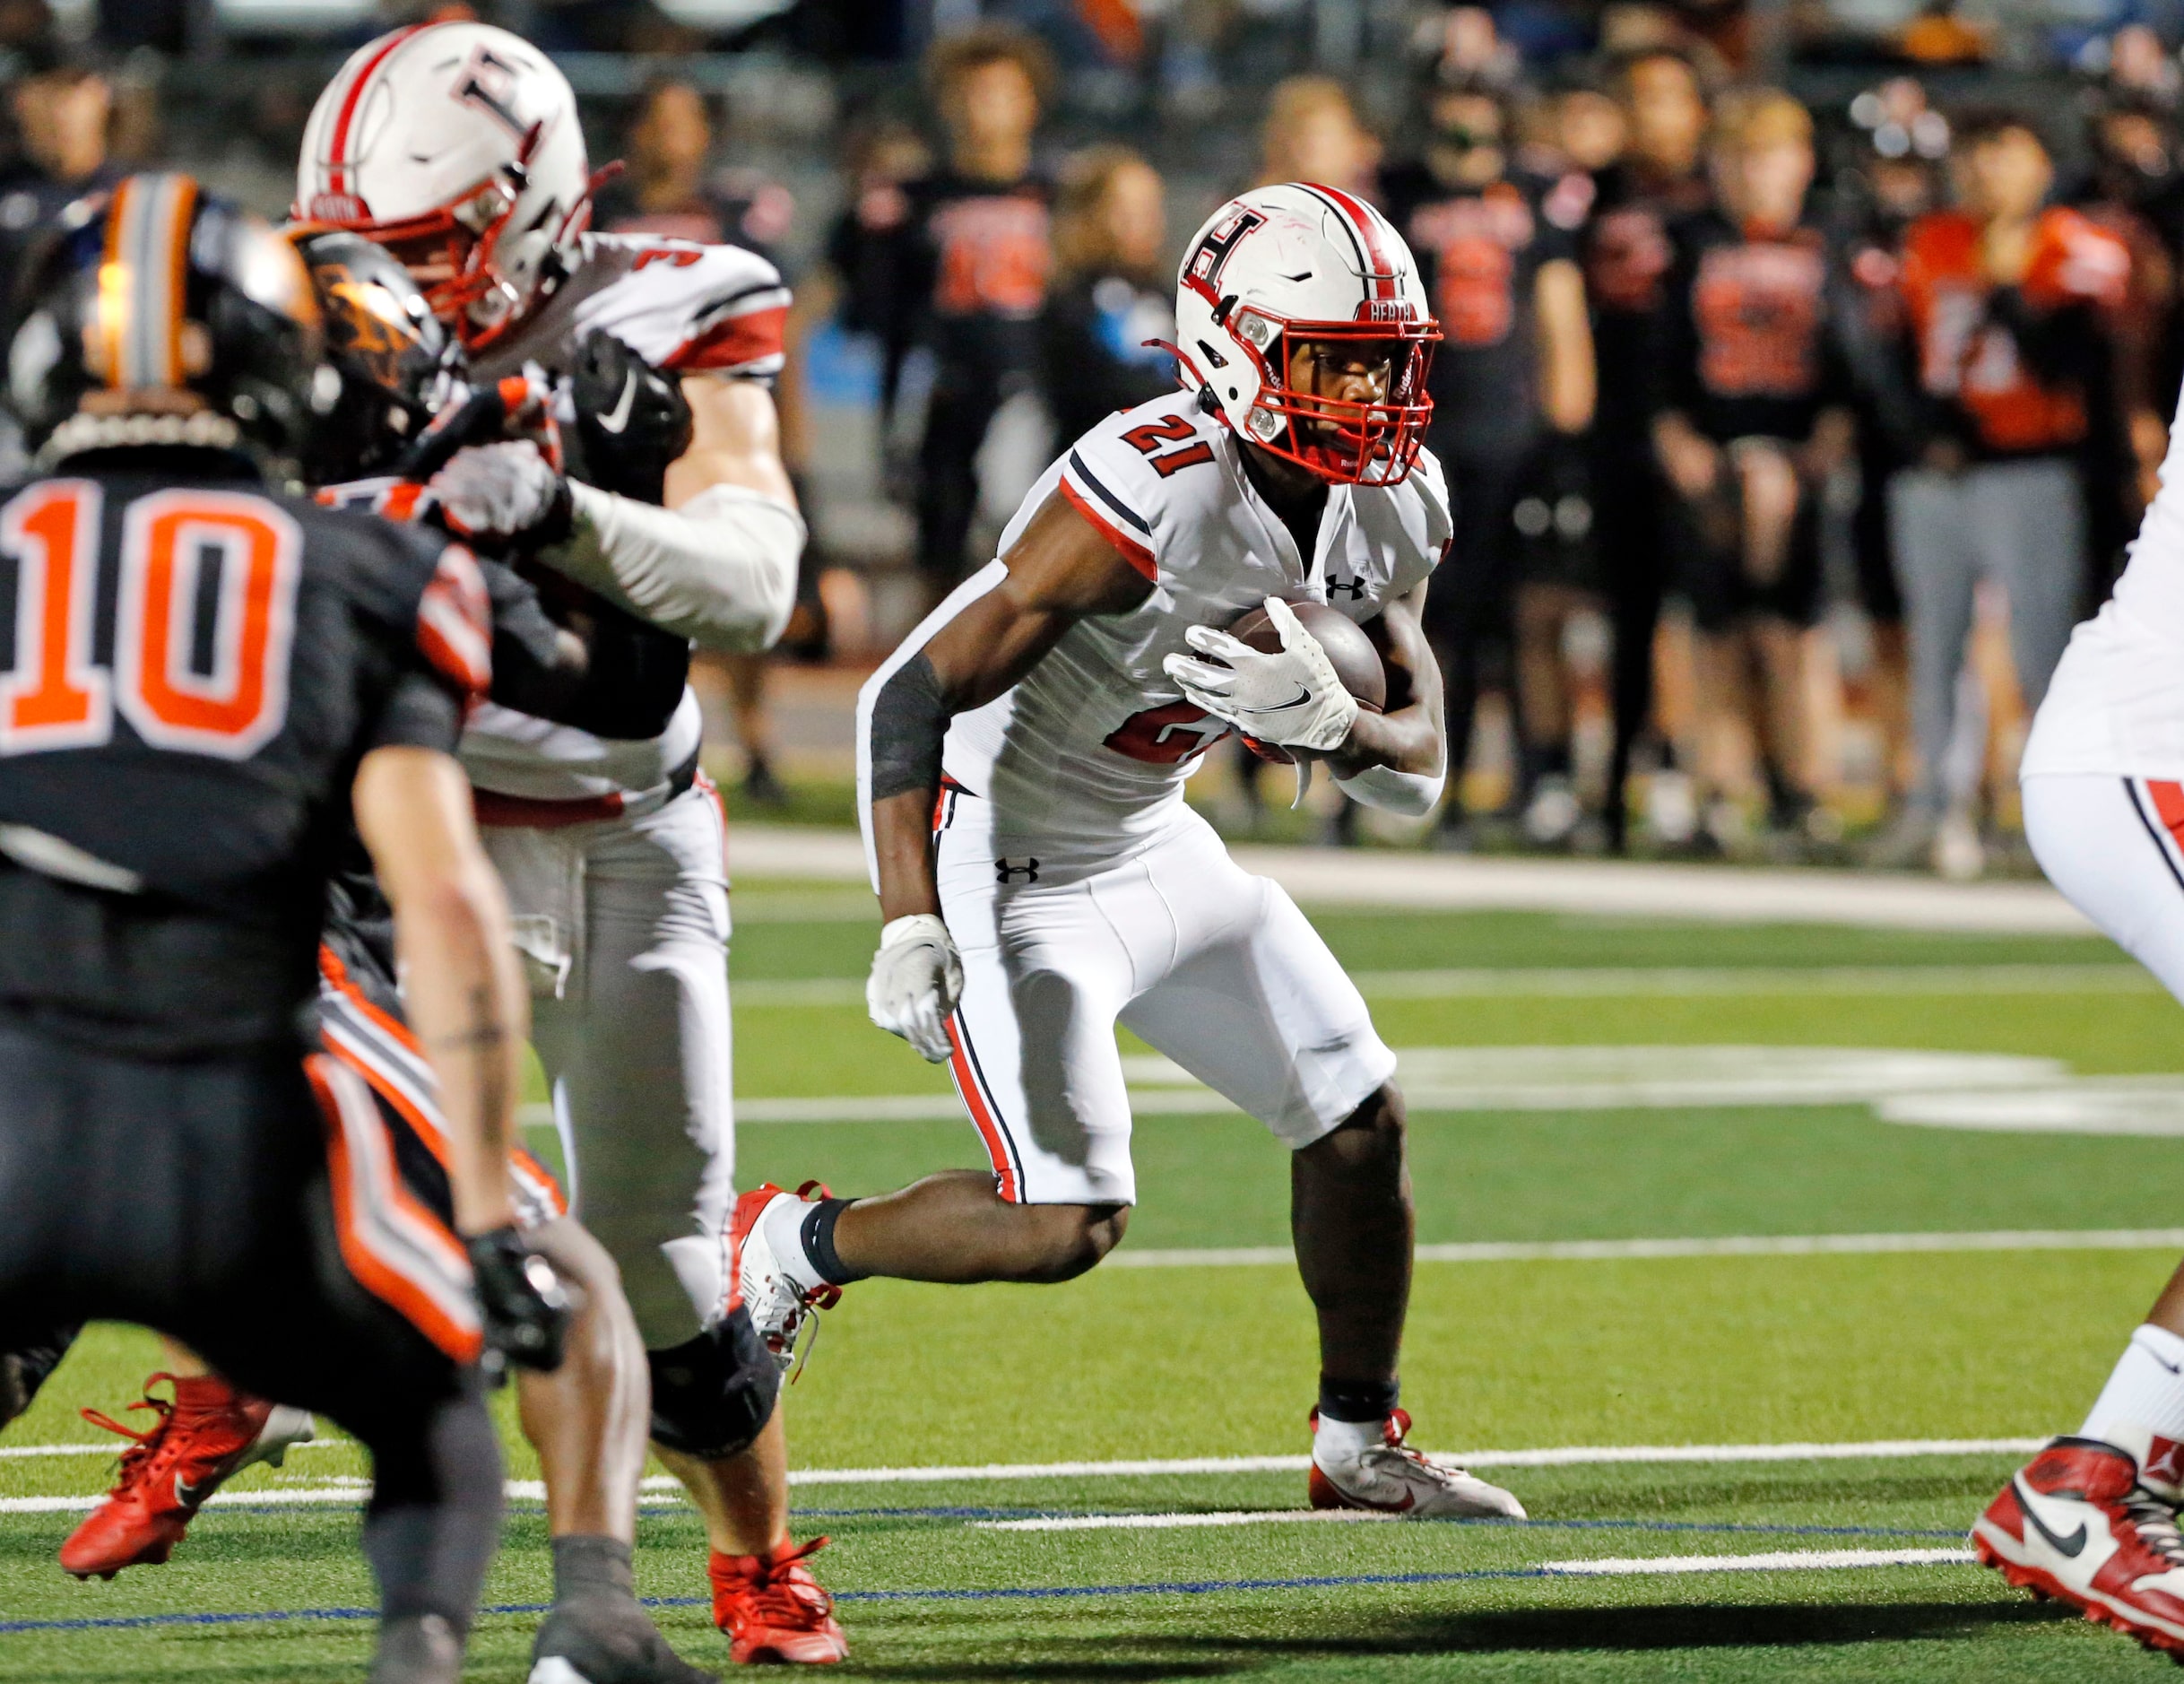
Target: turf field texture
{"x": 1897, "y": 1302}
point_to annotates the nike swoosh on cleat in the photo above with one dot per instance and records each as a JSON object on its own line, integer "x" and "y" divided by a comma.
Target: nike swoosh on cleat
{"x": 617, "y": 418}
{"x": 2071, "y": 1546}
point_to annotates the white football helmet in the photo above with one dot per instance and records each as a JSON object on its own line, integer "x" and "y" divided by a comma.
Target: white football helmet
{"x": 457, "y": 147}
{"x": 1280, "y": 268}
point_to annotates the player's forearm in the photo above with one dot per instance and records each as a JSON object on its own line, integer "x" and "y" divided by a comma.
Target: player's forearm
{"x": 720, "y": 570}
{"x": 902, "y": 842}
{"x": 466, "y": 1003}
{"x": 1410, "y": 739}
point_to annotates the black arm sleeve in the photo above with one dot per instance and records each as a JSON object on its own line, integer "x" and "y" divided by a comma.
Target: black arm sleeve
{"x": 909, "y": 718}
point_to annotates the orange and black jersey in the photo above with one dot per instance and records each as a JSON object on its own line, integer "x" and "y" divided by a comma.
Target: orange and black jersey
{"x": 1753, "y": 329}
{"x": 1479, "y": 253}
{"x": 960, "y": 264}
{"x": 2011, "y": 370}
{"x": 196, "y": 670}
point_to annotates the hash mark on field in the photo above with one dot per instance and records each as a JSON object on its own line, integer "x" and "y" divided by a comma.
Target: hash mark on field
{"x": 1771, "y": 1561}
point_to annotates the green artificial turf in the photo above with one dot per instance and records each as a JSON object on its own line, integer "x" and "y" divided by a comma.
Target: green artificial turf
{"x": 1218, "y": 1362}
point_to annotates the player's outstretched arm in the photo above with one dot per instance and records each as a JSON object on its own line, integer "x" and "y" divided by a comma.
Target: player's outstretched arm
{"x": 460, "y": 982}
{"x": 1058, "y": 571}
{"x": 1398, "y": 760}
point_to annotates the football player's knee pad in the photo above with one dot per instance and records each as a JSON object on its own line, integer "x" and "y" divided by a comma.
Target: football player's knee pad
{"x": 712, "y": 1394}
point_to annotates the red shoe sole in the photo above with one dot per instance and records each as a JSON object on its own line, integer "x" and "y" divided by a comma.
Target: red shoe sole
{"x": 2046, "y": 1587}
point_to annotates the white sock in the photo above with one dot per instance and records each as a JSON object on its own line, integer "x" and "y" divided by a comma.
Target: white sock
{"x": 1334, "y": 1441}
{"x": 783, "y": 1228}
{"x": 2147, "y": 1391}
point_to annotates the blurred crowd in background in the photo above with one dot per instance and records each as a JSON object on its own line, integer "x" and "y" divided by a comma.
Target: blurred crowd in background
{"x": 1807, "y": 364}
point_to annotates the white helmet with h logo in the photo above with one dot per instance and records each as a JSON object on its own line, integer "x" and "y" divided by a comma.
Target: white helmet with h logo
{"x": 1282, "y": 267}
{"x": 457, "y": 146}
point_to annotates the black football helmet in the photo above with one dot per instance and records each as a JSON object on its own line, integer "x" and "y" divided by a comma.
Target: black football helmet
{"x": 158, "y": 316}
{"x": 397, "y": 364}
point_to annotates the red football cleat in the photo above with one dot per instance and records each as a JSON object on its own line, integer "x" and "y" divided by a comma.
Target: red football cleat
{"x": 207, "y": 1435}
{"x": 2076, "y": 1524}
{"x": 772, "y": 1609}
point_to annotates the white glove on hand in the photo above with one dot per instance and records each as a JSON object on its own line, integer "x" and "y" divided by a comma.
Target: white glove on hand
{"x": 917, "y": 977}
{"x": 500, "y": 491}
{"x": 1291, "y": 698}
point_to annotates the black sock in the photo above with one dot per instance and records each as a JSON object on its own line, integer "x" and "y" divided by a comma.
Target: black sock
{"x": 1358, "y": 1401}
{"x": 587, "y": 1563}
{"x": 818, "y": 1234}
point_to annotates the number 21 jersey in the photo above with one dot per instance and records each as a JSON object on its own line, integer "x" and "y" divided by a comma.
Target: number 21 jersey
{"x": 1095, "y": 742}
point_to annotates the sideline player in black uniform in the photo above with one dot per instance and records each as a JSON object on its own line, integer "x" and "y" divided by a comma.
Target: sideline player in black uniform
{"x": 207, "y": 681}
{"x": 1513, "y": 387}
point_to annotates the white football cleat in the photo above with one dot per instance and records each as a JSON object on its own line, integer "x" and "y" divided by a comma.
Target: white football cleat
{"x": 777, "y": 1306}
{"x": 1393, "y": 1479}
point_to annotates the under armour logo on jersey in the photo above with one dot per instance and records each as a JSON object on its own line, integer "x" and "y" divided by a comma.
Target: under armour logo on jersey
{"x": 2165, "y": 1460}
{"x": 1355, "y": 589}
{"x": 1009, "y": 871}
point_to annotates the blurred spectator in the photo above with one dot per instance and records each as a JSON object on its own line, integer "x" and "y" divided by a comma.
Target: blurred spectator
{"x": 63, "y": 108}
{"x": 1512, "y": 388}
{"x": 975, "y": 259}
{"x": 1883, "y": 189}
{"x": 1627, "y": 257}
{"x": 868, "y": 246}
{"x": 1312, "y": 133}
{"x": 670, "y": 187}
{"x": 1462, "y": 46}
{"x": 1757, "y": 421}
{"x": 2130, "y": 196}
{"x": 1112, "y": 294}
{"x": 1590, "y": 129}
{"x": 2001, "y": 296}
{"x": 2139, "y": 67}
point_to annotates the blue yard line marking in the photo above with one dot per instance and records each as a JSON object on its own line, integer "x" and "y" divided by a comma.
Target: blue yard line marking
{"x": 1188, "y": 1587}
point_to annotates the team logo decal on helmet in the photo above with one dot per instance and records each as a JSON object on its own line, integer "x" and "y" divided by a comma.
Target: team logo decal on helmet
{"x": 457, "y": 146}
{"x": 1304, "y": 325}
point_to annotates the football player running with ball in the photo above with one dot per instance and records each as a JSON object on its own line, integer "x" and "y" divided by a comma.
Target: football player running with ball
{"x": 1022, "y": 763}
{"x": 2092, "y": 1520}
{"x": 456, "y": 145}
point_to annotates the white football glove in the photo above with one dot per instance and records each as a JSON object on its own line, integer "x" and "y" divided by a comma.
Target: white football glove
{"x": 507, "y": 490}
{"x": 1291, "y": 698}
{"x": 917, "y": 977}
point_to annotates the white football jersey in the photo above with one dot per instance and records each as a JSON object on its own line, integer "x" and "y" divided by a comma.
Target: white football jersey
{"x": 682, "y": 306}
{"x": 2116, "y": 703}
{"x": 1095, "y": 742}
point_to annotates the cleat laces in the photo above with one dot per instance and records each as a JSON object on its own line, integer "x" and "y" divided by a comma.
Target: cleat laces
{"x": 2156, "y": 1524}
{"x": 146, "y": 1449}
{"x": 788, "y": 1596}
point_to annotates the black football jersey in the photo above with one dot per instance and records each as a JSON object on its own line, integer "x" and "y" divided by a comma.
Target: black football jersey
{"x": 196, "y": 670}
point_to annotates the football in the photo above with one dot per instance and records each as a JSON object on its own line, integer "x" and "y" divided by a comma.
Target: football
{"x": 1355, "y": 661}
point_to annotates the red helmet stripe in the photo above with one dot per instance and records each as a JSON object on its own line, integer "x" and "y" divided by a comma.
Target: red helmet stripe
{"x": 1381, "y": 275}
{"x": 337, "y": 149}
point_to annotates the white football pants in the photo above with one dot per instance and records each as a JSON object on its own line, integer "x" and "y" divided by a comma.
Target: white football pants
{"x": 1215, "y": 967}
{"x": 623, "y": 926}
{"x": 2111, "y": 845}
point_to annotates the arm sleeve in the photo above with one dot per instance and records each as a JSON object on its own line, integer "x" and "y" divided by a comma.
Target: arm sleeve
{"x": 720, "y": 570}
{"x": 420, "y": 712}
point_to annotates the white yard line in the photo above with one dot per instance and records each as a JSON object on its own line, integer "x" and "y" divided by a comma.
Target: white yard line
{"x": 1182, "y": 1522}
{"x": 347, "y": 1489}
{"x": 1771, "y": 1561}
{"x": 1726, "y": 1245}
{"x": 1582, "y": 981}
{"x": 1599, "y": 888}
